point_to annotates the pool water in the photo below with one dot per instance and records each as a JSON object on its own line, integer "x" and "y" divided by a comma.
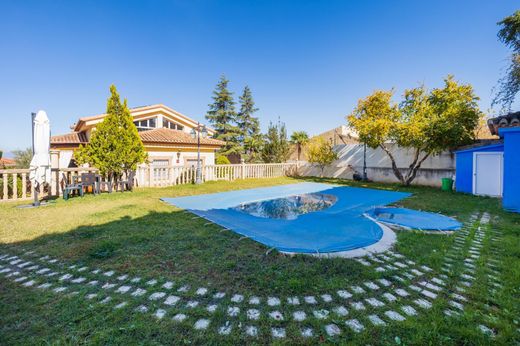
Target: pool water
{"x": 288, "y": 208}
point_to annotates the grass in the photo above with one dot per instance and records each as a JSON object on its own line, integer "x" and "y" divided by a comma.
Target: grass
{"x": 138, "y": 234}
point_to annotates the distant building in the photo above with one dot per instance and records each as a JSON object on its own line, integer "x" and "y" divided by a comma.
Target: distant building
{"x": 340, "y": 135}
{"x": 7, "y": 163}
{"x": 165, "y": 134}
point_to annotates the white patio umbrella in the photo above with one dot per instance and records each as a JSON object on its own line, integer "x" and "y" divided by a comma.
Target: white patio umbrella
{"x": 40, "y": 168}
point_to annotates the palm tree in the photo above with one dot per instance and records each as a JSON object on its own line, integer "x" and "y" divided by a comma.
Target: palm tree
{"x": 300, "y": 139}
{"x": 252, "y": 146}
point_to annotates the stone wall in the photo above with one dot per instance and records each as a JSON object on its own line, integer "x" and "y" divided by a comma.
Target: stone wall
{"x": 379, "y": 167}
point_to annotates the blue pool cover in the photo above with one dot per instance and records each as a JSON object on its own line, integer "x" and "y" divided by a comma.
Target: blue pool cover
{"x": 415, "y": 219}
{"x": 338, "y": 228}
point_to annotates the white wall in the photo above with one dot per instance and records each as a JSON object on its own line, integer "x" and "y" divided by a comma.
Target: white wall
{"x": 379, "y": 166}
{"x": 207, "y": 158}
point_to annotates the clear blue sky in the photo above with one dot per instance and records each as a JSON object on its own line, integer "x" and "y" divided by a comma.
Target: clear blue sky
{"x": 307, "y": 62}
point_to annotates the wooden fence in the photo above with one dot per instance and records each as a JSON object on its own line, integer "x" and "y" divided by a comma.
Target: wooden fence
{"x": 16, "y": 186}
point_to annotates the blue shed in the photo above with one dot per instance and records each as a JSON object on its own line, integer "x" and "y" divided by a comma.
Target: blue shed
{"x": 511, "y": 197}
{"x": 479, "y": 170}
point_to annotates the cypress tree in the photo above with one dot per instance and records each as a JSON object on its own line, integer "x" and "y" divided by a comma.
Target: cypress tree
{"x": 115, "y": 146}
{"x": 222, "y": 117}
{"x": 276, "y": 148}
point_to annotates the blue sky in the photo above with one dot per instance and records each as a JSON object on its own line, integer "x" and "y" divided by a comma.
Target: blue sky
{"x": 307, "y": 62}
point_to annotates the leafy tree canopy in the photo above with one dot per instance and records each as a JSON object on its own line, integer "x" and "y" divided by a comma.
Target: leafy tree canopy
{"x": 427, "y": 121}
{"x": 320, "y": 152}
{"x": 276, "y": 147}
{"x": 509, "y": 84}
{"x": 115, "y": 146}
{"x": 23, "y": 158}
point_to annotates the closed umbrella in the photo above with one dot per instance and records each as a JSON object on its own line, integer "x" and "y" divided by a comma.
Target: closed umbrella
{"x": 40, "y": 168}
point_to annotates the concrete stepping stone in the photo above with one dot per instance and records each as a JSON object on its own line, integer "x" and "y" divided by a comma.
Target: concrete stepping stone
{"x": 201, "y": 291}
{"x": 456, "y": 304}
{"x": 310, "y": 300}
{"x": 459, "y": 297}
{"x": 251, "y": 331}
{"x": 157, "y": 296}
{"x": 192, "y": 304}
{"x": 179, "y": 317}
{"x": 167, "y": 285}
{"x": 78, "y": 280}
{"x": 106, "y": 300}
{"x": 423, "y": 303}
{"x": 486, "y": 330}
{"x": 201, "y": 324}
{"x": 138, "y": 292}
{"x": 390, "y": 297}
{"x": 29, "y": 283}
{"x": 233, "y": 311}
{"x": 108, "y": 286}
{"x": 355, "y": 325}
{"x": 160, "y": 313}
{"x": 371, "y": 285}
{"x": 253, "y": 314}
{"x": 394, "y": 315}
{"x": 212, "y": 308}
{"x": 299, "y": 316}
{"x": 358, "y": 306}
{"x": 380, "y": 269}
{"x": 109, "y": 273}
{"x": 45, "y": 285}
{"x": 254, "y": 300}
{"x": 327, "y": 298}
{"x": 92, "y": 283}
{"x": 82, "y": 269}
{"x": 410, "y": 311}
{"x": 344, "y": 294}
{"x": 340, "y": 311}
{"x": 273, "y": 301}
{"x": 374, "y": 302}
{"x": 321, "y": 314}
{"x": 307, "y": 332}
{"x": 91, "y": 296}
{"x": 276, "y": 315}
{"x": 151, "y": 282}
{"x": 219, "y": 295}
{"x": 135, "y": 280}
{"x": 121, "y": 305}
{"x": 237, "y": 298}
{"x": 402, "y": 292}
{"x": 225, "y": 329}
{"x": 357, "y": 289}
{"x": 123, "y": 289}
{"x": 429, "y": 294}
{"x": 278, "y": 333}
{"x": 172, "y": 300}
{"x": 376, "y": 321}
{"x": 384, "y": 282}
{"x": 122, "y": 277}
{"x": 415, "y": 288}
{"x": 65, "y": 277}
{"x": 20, "y": 279}
{"x": 332, "y": 330}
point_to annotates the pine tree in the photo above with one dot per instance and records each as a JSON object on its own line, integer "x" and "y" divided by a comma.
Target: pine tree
{"x": 222, "y": 117}
{"x": 248, "y": 124}
{"x": 115, "y": 146}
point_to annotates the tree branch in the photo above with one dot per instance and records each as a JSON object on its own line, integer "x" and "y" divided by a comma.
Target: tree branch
{"x": 397, "y": 173}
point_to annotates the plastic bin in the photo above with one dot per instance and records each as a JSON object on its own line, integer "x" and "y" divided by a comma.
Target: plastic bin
{"x": 447, "y": 184}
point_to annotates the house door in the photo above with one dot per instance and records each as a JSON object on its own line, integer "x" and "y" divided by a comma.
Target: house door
{"x": 488, "y": 173}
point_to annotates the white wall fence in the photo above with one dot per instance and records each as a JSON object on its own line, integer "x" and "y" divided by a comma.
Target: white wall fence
{"x": 16, "y": 186}
{"x": 379, "y": 166}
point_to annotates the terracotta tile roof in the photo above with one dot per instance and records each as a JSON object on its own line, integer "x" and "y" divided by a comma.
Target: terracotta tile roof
{"x": 164, "y": 135}
{"x": 7, "y": 162}
{"x": 158, "y": 136}
{"x": 508, "y": 120}
{"x": 70, "y": 138}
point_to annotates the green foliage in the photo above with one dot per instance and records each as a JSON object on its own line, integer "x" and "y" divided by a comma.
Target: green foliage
{"x": 321, "y": 153}
{"x": 23, "y": 158}
{"x": 1, "y": 154}
{"x": 253, "y": 147}
{"x": 276, "y": 147}
{"x": 222, "y": 160}
{"x": 248, "y": 124}
{"x": 429, "y": 122}
{"x": 223, "y": 117}
{"x": 300, "y": 139}
{"x": 115, "y": 146}
{"x": 509, "y": 84}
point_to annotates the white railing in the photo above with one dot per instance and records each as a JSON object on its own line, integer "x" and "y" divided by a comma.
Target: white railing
{"x": 156, "y": 176}
{"x": 16, "y": 186}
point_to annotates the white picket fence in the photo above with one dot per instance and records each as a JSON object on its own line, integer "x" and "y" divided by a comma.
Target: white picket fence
{"x": 15, "y": 184}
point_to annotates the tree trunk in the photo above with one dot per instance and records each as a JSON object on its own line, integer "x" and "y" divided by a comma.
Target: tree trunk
{"x": 299, "y": 149}
{"x": 412, "y": 169}
{"x": 396, "y": 170}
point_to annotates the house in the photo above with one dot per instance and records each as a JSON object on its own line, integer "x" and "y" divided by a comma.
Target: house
{"x": 490, "y": 168}
{"x": 7, "y": 163}
{"x": 165, "y": 133}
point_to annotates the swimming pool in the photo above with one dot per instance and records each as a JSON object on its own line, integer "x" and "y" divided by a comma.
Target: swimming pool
{"x": 297, "y": 218}
{"x": 339, "y": 227}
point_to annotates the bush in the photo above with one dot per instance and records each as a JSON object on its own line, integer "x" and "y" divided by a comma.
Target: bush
{"x": 222, "y": 160}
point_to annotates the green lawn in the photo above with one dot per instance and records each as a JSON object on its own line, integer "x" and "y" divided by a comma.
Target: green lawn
{"x": 138, "y": 235}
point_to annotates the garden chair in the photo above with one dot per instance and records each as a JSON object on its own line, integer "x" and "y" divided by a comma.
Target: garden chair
{"x": 69, "y": 188}
{"x": 128, "y": 183}
{"x": 89, "y": 179}
{"x": 106, "y": 183}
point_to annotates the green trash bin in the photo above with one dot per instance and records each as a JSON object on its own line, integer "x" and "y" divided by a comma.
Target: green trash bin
{"x": 447, "y": 184}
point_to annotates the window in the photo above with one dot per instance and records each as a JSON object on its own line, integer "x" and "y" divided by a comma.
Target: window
{"x": 171, "y": 125}
{"x": 143, "y": 125}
